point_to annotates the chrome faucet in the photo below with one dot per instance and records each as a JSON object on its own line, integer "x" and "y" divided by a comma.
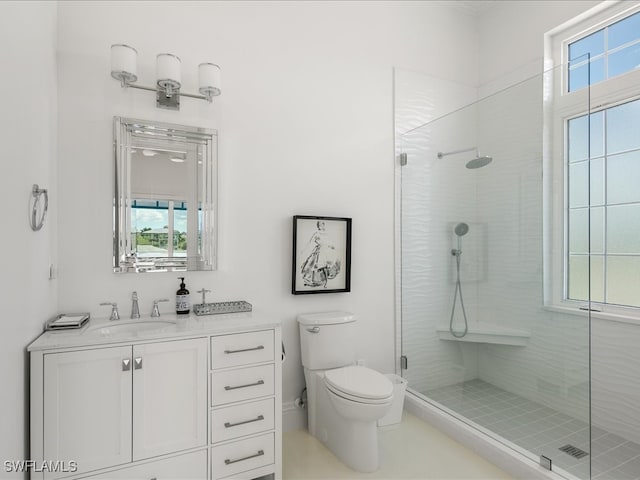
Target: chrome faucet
{"x": 135, "y": 310}
{"x": 114, "y": 310}
{"x": 155, "y": 311}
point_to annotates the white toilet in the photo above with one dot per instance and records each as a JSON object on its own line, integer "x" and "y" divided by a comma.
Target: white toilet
{"x": 344, "y": 401}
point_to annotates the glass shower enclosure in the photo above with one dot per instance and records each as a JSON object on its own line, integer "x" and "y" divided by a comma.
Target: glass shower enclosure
{"x": 479, "y": 338}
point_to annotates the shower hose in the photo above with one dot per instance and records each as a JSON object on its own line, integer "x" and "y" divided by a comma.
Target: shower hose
{"x": 458, "y": 290}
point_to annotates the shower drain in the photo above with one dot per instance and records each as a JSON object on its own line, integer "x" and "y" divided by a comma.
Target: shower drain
{"x": 574, "y": 451}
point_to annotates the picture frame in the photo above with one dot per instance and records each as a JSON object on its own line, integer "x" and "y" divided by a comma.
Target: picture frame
{"x": 321, "y": 255}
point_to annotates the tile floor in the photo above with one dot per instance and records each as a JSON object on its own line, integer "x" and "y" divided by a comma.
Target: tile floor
{"x": 542, "y": 430}
{"x": 412, "y": 449}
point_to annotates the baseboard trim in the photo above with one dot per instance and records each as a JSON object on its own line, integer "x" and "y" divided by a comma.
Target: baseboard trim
{"x": 293, "y": 418}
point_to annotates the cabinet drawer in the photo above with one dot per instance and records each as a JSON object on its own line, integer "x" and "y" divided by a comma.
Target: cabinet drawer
{"x": 239, "y": 420}
{"x": 237, "y": 457}
{"x": 241, "y": 349}
{"x": 241, "y": 384}
{"x": 188, "y": 466}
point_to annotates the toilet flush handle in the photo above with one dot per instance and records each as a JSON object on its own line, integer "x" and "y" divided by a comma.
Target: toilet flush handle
{"x": 313, "y": 329}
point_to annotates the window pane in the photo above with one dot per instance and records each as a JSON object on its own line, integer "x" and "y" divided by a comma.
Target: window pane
{"x": 149, "y": 221}
{"x": 623, "y": 127}
{"x": 624, "y": 31}
{"x": 579, "y": 274}
{"x": 579, "y": 185}
{"x": 623, "y": 229}
{"x": 597, "y": 134}
{"x": 597, "y": 278}
{"x": 579, "y": 76}
{"x": 578, "y": 224}
{"x": 592, "y": 44}
{"x": 623, "y": 178}
{"x": 624, "y": 61}
{"x": 597, "y": 230}
{"x": 597, "y": 181}
{"x": 578, "y": 133}
{"x": 180, "y": 230}
{"x": 623, "y": 278}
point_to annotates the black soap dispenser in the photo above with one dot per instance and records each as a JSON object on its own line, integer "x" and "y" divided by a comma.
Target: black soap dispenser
{"x": 182, "y": 299}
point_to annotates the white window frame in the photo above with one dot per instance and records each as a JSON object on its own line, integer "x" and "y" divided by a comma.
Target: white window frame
{"x": 561, "y": 106}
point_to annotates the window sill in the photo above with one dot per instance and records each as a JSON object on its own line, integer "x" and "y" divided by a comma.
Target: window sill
{"x": 606, "y": 316}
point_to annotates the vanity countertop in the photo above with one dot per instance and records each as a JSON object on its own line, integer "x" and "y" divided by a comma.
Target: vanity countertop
{"x": 102, "y": 331}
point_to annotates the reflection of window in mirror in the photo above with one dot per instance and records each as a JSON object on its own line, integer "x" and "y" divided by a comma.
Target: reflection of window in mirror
{"x": 165, "y": 191}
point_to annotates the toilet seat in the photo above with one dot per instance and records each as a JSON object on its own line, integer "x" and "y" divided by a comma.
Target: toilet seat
{"x": 359, "y": 384}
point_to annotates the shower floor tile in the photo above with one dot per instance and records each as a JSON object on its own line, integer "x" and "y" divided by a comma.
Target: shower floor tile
{"x": 542, "y": 430}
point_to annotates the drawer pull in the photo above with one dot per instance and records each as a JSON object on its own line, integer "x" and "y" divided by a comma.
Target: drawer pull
{"x": 259, "y": 454}
{"x": 259, "y": 347}
{"x": 257, "y": 419}
{"x": 259, "y": 382}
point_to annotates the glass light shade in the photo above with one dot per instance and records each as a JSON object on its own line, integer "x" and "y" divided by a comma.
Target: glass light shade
{"x": 123, "y": 63}
{"x": 168, "y": 72}
{"x": 209, "y": 79}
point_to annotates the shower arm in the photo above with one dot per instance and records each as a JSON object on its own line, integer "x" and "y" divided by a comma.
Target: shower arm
{"x": 444, "y": 154}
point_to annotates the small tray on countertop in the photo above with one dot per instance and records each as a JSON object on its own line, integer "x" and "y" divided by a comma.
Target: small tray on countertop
{"x": 67, "y": 321}
{"x": 217, "y": 308}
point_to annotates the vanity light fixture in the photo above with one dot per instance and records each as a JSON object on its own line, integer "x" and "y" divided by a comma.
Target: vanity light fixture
{"x": 177, "y": 159}
{"x": 168, "y": 76}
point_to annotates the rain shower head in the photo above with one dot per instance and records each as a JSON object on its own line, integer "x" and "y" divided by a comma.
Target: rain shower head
{"x": 461, "y": 229}
{"x": 477, "y": 162}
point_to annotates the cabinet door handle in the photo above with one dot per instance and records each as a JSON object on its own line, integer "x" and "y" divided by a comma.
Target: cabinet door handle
{"x": 137, "y": 363}
{"x": 126, "y": 364}
{"x": 259, "y": 454}
{"x": 259, "y": 347}
{"x": 257, "y": 419}
{"x": 259, "y": 382}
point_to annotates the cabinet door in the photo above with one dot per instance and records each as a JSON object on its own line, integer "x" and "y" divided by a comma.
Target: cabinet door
{"x": 87, "y": 407}
{"x": 169, "y": 397}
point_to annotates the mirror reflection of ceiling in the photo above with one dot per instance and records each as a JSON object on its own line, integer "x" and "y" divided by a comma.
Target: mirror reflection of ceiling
{"x": 158, "y": 176}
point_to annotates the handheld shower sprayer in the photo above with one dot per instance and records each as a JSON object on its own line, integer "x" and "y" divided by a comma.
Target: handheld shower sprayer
{"x": 461, "y": 229}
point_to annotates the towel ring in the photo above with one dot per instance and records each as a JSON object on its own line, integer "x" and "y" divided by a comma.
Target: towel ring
{"x": 37, "y": 192}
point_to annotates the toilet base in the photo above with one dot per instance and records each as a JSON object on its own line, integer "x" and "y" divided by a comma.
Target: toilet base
{"x": 354, "y": 442}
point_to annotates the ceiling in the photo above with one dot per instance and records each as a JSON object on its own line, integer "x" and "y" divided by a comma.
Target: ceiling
{"x": 471, "y": 7}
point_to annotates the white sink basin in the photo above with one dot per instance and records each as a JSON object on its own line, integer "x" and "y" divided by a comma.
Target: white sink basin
{"x": 116, "y": 327}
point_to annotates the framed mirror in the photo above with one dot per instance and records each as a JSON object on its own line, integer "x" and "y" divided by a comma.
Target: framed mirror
{"x": 165, "y": 198}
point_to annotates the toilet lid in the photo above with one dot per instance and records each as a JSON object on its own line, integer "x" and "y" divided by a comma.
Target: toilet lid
{"x": 360, "y": 382}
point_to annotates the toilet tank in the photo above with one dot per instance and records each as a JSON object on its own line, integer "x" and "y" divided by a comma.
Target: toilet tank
{"x": 327, "y": 339}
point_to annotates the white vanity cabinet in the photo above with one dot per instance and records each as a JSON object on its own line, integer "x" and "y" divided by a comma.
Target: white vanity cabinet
{"x": 167, "y": 406}
{"x": 113, "y": 405}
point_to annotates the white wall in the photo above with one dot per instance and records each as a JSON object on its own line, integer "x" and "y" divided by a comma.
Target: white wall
{"x": 28, "y": 132}
{"x": 305, "y": 125}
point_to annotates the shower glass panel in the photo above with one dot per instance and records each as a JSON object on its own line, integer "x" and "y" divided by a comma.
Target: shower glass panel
{"x": 478, "y": 232}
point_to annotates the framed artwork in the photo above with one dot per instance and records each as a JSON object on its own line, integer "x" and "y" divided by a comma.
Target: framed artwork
{"x": 321, "y": 255}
